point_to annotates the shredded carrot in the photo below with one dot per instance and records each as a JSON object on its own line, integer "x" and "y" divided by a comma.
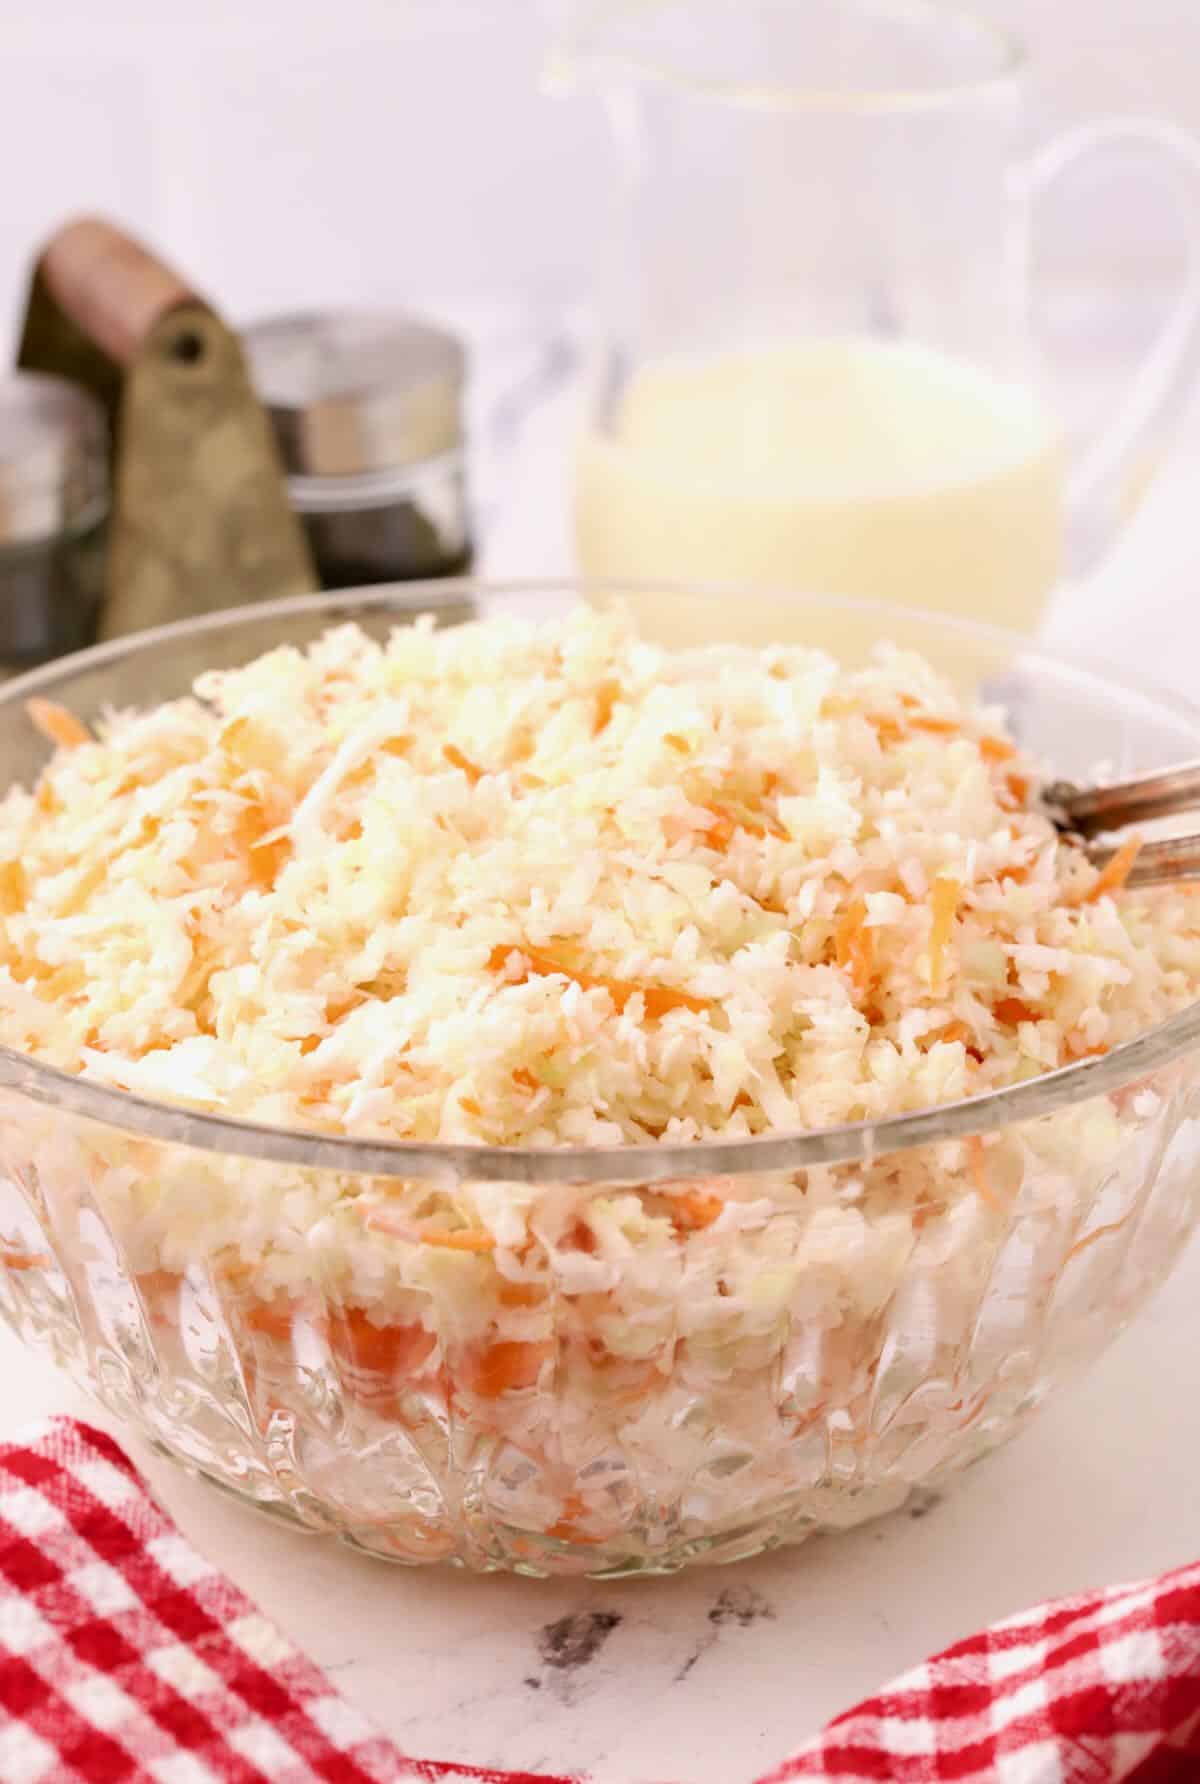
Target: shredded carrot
{"x": 719, "y": 833}
{"x": 476, "y": 1239}
{"x": 569, "y": 1533}
{"x": 251, "y": 747}
{"x": 503, "y": 1368}
{"x": 944, "y": 898}
{"x": 1018, "y": 873}
{"x": 380, "y": 1350}
{"x": 607, "y": 695}
{"x": 266, "y": 853}
{"x": 520, "y": 1294}
{"x": 846, "y": 931}
{"x": 24, "y": 1260}
{"x": 953, "y": 1031}
{"x": 525, "y": 1079}
{"x": 566, "y": 1529}
{"x": 725, "y": 825}
{"x": 457, "y": 759}
{"x": 272, "y": 1319}
{"x": 1100, "y": 1232}
{"x": 1018, "y": 788}
{"x": 1013, "y": 1011}
{"x": 158, "y": 1291}
{"x": 13, "y": 890}
{"x": 978, "y": 1169}
{"x": 773, "y": 827}
{"x": 892, "y": 730}
{"x": 520, "y": 743}
{"x": 694, "y": 1209}
{"x": 57, "y": 724}
{"x": 743, "y": 1101}
{"x": 470, "y": 1105}
{"x": 581, "y": 1238}
{"x": 677, "y": 743}
{"x": 397, "y": 1226}
{"x": 997, "y": 749}
{"x": 340, "y": 1008}
{"x": 854, "y": 946}
{"x": 886, "y": 729}
{"x": 659, "y": 999}
{"x": 1115, "y": 872}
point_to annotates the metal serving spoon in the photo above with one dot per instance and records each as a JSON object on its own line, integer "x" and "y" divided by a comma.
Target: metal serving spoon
{"x": 1086, "y": 812}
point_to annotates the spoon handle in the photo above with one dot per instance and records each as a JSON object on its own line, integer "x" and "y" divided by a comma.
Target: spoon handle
{"x": 1167, "y": 862}
{"x": 1090, "y": 811}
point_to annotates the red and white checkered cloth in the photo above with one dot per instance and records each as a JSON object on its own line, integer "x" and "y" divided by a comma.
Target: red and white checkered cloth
{"x": 1099, "y": 1689}
{"x": 126, "y": 1658}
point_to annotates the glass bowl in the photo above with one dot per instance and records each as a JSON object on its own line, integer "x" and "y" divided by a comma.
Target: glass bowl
{"x": 208, "y": 1281}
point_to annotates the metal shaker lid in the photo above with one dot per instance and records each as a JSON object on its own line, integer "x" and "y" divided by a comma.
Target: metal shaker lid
{"x": 351, "y": 393}
{"x": 53, "y": 458}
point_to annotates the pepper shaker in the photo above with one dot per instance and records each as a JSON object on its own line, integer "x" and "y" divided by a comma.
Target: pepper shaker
{"x": 367, "y": 409}
{"x": 54, "y": 503}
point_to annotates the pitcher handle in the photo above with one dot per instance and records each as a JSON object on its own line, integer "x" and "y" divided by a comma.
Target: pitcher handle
{"x": 1114, "y": 471}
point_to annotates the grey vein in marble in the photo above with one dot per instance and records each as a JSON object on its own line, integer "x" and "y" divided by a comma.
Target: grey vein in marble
{"x": 740, "y": 1605}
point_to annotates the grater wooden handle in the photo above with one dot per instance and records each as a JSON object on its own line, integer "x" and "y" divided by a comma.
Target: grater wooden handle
{"x": 200, "y": 514}
{"x": 110, "y": 285}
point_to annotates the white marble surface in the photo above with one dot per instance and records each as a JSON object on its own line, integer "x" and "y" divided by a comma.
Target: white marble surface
{"x": 710, "y": 1677}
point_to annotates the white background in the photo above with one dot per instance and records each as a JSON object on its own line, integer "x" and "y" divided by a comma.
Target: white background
{"x": 289, "y": 151}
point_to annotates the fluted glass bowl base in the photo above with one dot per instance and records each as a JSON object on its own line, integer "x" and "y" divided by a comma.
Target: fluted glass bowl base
{"x": 559, "y": 1558}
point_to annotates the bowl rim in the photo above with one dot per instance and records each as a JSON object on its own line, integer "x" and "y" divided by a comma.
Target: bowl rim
{"x": 655, "y": 1161}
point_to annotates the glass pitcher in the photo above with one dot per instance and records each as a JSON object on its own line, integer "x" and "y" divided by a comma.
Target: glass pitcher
{"x": 818, "y": 369}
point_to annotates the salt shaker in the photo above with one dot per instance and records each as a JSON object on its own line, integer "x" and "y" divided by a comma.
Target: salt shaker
{"x": 54, "y": 501}
{"x": 367, "y": 408}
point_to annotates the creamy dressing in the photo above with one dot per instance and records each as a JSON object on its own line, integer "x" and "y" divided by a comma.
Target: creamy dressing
{"x": 841, "y": 466}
